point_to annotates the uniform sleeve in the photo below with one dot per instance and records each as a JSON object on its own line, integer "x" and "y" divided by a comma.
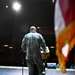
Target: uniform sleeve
{"x": 43, "y": 43}
{"x": 23, "y": 45}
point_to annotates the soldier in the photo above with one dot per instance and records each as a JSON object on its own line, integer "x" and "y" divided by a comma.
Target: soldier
{"x": 31, "y": 44}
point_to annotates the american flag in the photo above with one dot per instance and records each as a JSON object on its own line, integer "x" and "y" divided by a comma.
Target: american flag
{"x": 65, "y": 25}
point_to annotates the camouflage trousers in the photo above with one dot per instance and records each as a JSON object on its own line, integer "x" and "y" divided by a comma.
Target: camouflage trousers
{"x": 39, "y": 64}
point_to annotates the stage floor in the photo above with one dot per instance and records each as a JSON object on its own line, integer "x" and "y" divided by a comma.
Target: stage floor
{"x": 12, "y": 70}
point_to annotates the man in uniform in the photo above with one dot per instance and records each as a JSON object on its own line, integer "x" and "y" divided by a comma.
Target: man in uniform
{"x": 31, "y": 44}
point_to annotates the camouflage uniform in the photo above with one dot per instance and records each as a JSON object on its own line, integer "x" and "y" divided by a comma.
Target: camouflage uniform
{"x": 31, "y": 44}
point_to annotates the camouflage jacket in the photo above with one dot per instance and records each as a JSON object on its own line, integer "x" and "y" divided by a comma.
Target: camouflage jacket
{"x": 31, "y": 44}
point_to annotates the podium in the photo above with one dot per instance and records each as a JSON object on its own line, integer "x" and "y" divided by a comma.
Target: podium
{"x": 45, "y": 55}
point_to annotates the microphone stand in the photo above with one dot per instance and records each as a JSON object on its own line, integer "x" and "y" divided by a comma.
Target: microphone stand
{"x": 22, "y": 60}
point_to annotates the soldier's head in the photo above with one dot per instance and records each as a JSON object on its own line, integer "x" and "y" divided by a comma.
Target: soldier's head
{"x": 33, "y": 29}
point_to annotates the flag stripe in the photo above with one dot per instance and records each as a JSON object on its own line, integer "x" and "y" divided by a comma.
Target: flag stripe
{"x": 59, "y": 21}
{"x": 68, "y": 10}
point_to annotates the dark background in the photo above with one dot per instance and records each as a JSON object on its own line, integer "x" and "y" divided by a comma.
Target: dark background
{"x": 14, "y": 25}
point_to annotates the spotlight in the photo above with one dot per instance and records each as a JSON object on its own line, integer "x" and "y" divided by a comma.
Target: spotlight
{"x": 16, "y": 6}
{"x": 5, "y": 45}
{"x": 6, "y": 6}
{"x": 53, "y": 0}
{"x": 11, "y": 47}
{"x": 52, "y": 47}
